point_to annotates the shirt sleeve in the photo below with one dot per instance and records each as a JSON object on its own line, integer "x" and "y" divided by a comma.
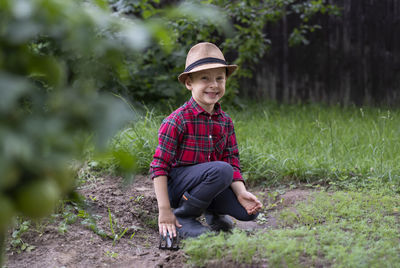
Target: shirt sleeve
{"x": 168, "y": 137}
{"x": 231, "y": 152}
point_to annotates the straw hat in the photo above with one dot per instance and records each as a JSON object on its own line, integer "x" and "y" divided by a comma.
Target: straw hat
{"x": 205, "y": 56}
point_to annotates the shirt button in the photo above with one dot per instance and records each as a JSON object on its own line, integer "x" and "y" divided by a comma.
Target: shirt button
{"x": 209, "y": 156}
{"x": 210, "y": 137}
{"x": 209, "y": 118}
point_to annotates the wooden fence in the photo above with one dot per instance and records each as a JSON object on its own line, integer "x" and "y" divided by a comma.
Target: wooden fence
{"x": 355, "y": 58}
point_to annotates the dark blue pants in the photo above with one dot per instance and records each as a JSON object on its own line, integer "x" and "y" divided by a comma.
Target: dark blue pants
{"x": 209, "y": 182}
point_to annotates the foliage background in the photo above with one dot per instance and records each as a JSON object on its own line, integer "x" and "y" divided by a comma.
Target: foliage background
{"x": 152, "y": 76}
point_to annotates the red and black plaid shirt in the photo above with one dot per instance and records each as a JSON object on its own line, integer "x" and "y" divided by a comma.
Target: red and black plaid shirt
{"x": 190, "y": 135}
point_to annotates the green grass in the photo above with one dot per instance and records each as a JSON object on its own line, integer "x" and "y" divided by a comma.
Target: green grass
{"x": 341, "y": 229}
{"x": 311, "y": 142}
{"x": 305, "y": 143}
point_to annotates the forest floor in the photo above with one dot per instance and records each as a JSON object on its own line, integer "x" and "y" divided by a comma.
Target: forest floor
{"x": 71, "y": 238}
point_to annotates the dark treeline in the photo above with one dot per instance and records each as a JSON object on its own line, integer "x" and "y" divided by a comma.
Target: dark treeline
{"x": 355, "y": 58}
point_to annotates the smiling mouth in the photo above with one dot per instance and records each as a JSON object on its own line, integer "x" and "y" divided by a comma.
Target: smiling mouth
{"x": 212, "y": 93}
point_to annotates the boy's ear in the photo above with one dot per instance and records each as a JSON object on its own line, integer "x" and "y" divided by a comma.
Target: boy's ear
{"x": 188, "y": 83}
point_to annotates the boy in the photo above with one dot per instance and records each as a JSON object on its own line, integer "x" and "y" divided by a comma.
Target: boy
{"x": 196, "y": 165}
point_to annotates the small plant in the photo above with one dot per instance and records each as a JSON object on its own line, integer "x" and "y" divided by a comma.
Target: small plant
{"x": 68, "y": 217}
{"x": 75, "y": 211}
{"x": 90, "y": 221}
{"x": 151, "y": 222}
{"x": 262, "y": 219}
{"x": 89, "y": 173}
{"x": 17, "y": 243}
{"x": 132, "y": 236}
{"x": 62, "y": 227}
{"x": 273, "y": 200}
{"x": 117, "y": 231}
{"x": 111, "y": 254}
{"x": 139, "y": 198}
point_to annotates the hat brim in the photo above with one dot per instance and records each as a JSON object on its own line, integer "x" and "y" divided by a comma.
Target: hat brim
{"x": 231, "y": 69}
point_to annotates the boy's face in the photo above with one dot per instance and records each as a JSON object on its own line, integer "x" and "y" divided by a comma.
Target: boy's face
{"x": 207, "y": 87}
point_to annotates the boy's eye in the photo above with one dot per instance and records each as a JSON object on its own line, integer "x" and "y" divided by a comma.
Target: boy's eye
{"x": 204, "y": 77}
{"x": 220, "y": 78}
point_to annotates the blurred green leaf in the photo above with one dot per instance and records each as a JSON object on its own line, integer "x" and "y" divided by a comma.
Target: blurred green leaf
{"x": 48, "y": 69}
{"x": 125, "y": 160}
{"x": 103, "y": 4}
{"x": 12, "y": 87}
{"x": 56, "y": 57}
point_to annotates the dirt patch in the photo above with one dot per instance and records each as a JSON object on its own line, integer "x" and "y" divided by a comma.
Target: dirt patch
{"x": 291, "y": 197}
{"x": 134, "y": 208}
{"x": 272, "y": 203}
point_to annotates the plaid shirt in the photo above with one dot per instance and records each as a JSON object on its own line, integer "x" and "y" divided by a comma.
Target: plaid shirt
{"x": 190, "y": 135}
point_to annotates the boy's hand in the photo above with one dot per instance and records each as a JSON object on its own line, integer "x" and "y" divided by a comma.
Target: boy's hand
{"x": 249, "y": 202}
{"x": 166, "y": 219}
{"x": 167, "y": 222}
{"x": 245, "y": 198}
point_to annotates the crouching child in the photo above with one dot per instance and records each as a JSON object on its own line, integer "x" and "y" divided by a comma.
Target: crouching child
{"x": 196, "y": 166}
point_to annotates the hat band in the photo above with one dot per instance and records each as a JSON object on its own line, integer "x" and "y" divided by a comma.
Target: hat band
{"x": 204, "y": 61}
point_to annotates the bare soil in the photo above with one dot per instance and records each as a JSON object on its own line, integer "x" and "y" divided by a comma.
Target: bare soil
{"x": 132, "y": 206}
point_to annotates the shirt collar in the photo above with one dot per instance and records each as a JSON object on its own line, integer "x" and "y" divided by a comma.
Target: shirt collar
{"x": 197, "y": 109}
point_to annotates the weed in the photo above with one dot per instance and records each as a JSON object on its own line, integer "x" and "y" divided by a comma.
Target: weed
{"x": 117, "y": 232}
{"x": 89, "y": 173}
{"x": 17, "y": 244}
{"x": 261, "y": 218}
{"x": 73, "y": 211}
{"x": 68, "y": 217}
{"x": 62, "y": 227}
{"x": 137, "y": 199}
{"x": 90, "y": 221}
{"x": 111, "y": 254}
{"x": 273, "y": 200}
{"x": 132, "y": 235}
{"x": 148, "y": 218}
